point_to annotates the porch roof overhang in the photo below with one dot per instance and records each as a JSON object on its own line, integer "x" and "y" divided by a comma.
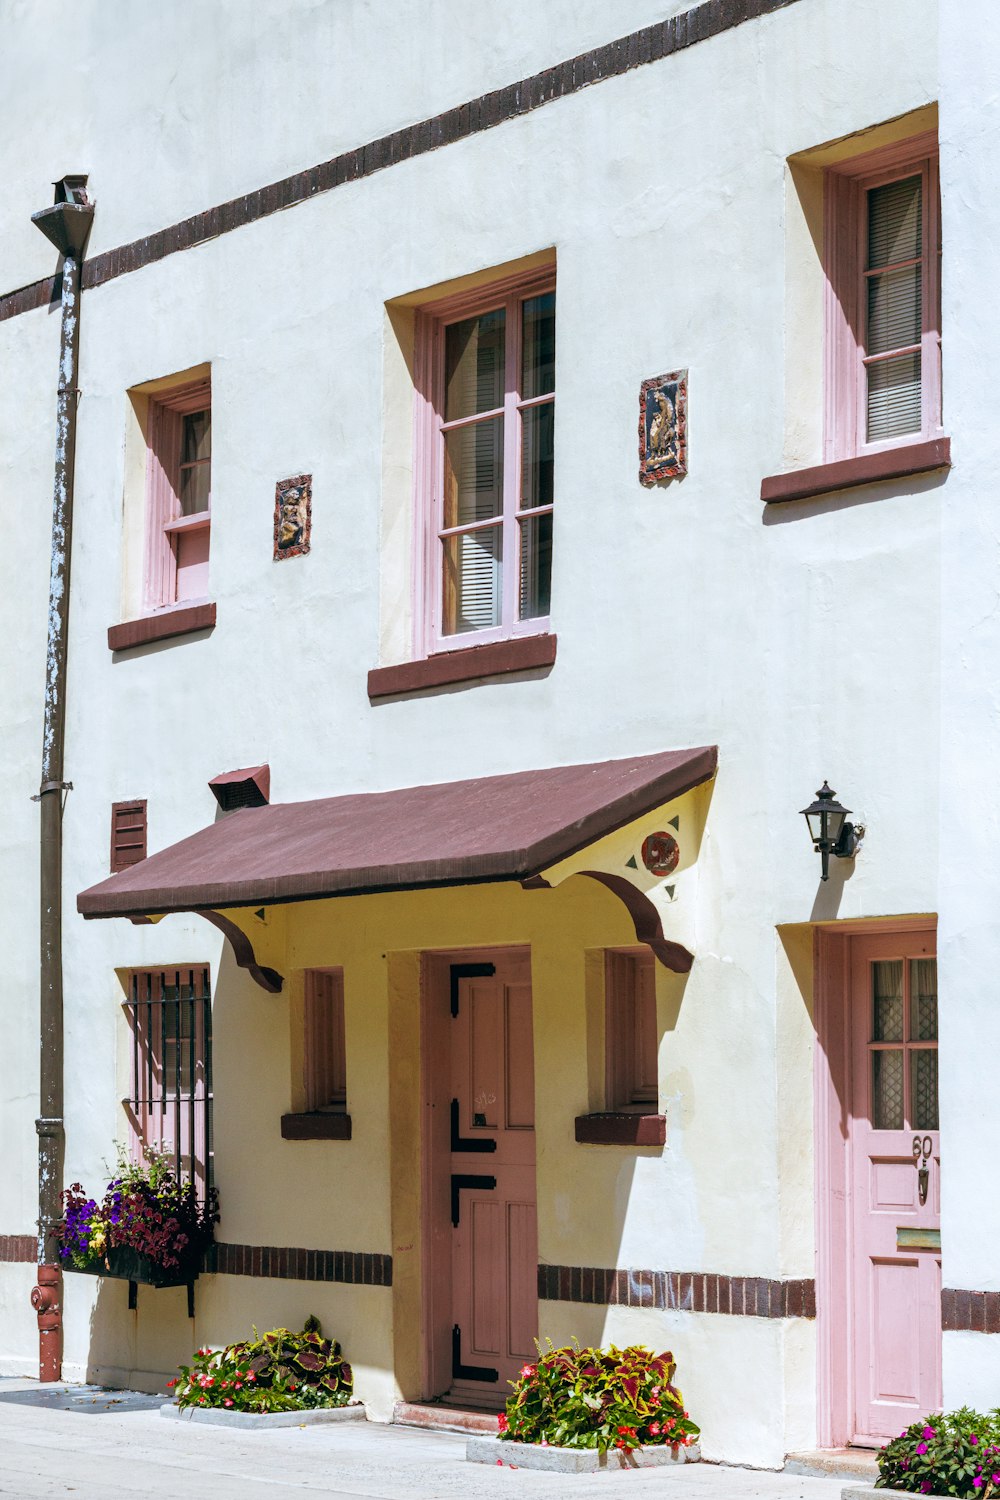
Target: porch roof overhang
{"x": 493, "y": 828}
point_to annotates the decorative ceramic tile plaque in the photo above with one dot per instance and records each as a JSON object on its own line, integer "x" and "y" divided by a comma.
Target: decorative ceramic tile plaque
{"x": 292, "y": 516}
{"x": 663, "y": 427}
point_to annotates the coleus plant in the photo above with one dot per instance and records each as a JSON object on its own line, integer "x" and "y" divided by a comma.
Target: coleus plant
{"x": 598, "y": 1398}
{"x": 277, "y": 1371}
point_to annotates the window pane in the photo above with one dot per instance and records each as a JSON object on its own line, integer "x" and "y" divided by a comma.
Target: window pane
{"x": 474, "y": 365}
{"x": 887, "y": 1008}
{"x": 537, "y": 425}
{"x": 894, "y": 222}
{"x": 473, "y": 472}
{"x": 196, "y": 486}
{"x": 924, "y": 1089}
{"x": 894, "y": 310}
{"x": 887, "y": 1090}
{"x": 894, "y": 397}
{"x": 472, "y": 583}
{"x": 536, "y": 566}
{"x": 197, "y": 441}
{"x": 538, "y": 358}
{"x": 923, "y": 1000}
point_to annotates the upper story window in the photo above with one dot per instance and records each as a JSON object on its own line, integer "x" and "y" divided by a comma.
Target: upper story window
{"x": 630, "y": 1032}
{"x": 884, "y": 307}
{"x": 179, "y": 495}
{"x": 485, "y": 485}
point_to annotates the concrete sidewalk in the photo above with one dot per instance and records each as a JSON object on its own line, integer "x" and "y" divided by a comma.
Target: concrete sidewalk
{"x": 106, "y": 1445}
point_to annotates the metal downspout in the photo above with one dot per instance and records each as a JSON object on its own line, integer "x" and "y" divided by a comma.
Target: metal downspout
{"x": 67, "y": 224}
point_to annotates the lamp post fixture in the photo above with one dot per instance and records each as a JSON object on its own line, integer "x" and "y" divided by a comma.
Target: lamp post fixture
{"x": 829, "y": 829}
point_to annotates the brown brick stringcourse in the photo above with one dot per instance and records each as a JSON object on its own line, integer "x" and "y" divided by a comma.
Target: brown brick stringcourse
{"x": 969, "y": 1312}
{"x": 679, "y": 1291}
{"x": 353, "y": 1267}
{"x": 21, "y": 1249}
{"x": 484, "y": 113}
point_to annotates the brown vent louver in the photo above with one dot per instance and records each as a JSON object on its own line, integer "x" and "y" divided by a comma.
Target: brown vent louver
{"x": 128, "y": 834}
{"x": 250, "y": 787}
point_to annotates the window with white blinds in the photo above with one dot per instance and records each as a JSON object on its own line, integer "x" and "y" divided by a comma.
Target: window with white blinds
{"x": 883, "y": 263}
{"x": 894, "y": 276}
{"x": 493, "y": 410}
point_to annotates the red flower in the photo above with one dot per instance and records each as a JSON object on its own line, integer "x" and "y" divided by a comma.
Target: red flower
{"x": 502, "y": 1422}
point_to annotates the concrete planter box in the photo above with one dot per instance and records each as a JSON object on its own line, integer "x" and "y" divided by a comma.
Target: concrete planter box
{"x": 488, "y": 1450}
{"x": 217, "y": 1416}
{"x": 869, "y": 1492}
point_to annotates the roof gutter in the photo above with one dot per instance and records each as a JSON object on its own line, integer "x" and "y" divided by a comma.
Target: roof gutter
{"x": 67, "y": 224}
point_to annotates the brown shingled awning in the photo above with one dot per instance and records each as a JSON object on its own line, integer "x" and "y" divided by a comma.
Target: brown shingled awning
{"x": 456, "y": 833}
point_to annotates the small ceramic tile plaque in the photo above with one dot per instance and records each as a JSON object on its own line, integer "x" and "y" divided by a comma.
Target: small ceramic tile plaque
{"x": 292, "y": 516}
{"x": 663, "y": 427}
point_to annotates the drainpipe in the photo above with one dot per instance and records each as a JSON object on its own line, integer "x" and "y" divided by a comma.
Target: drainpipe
{"x": 67, "y": 224}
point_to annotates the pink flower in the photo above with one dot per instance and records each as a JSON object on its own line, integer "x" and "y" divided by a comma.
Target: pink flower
{"x": 925, "y": 1488}
{"x": 654, "y": 1428}
{"x": 656, "y": 1390}
{"x": 500, "y": 1462}
{"x": 976, "y": 1483}
{"x": 928, "y": 1432}
{"x": 973, "y": 1438}
{"x": 527, "y": 1369}
{"x": 227, "y": 1402}
{"x": 238, "y": 1386}
{"x": 502, "y": 1422}
{"x": 251, "y": 1376}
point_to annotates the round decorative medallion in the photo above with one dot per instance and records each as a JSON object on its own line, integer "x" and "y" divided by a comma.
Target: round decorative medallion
{"x": 660, "y": 853}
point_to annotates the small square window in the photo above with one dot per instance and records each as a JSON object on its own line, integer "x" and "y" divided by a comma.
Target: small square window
{"x": 883, "y": 262}
{"x": 485, "y": 487}
{"x": 630, "y": 1032}
{"x": 325, "y": 1054}
{"x": 179, "y": 495}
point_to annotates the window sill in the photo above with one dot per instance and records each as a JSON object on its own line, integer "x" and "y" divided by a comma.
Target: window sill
{"x": 619, "y": 1128}
{"x": 498, "y": 659}
{"x": 317, "y": 1125}
{"x": 161, "y": 626}
{"x": 868, "y": 468}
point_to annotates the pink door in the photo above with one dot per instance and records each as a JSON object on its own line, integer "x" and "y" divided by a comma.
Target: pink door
{"x": 895, "y": 1160}
{"x": 494, "y": 1233}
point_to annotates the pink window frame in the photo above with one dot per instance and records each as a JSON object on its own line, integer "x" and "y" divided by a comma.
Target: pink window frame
{"x": 845, "y": 252}
{"x": 163, "y": 516}
{"x": 431, "y": 321}
{"x": 630, "y": 1039}
{"x": 325, "y": 1050}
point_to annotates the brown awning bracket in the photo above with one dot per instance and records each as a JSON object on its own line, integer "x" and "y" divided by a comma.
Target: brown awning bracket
{"x": 646, "y": 921}
{"x": 268, "y": 979}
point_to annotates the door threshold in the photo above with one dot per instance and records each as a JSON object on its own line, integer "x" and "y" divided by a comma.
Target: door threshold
{"x": 436, "y": 1416}
{"x": 838, "y": 1463}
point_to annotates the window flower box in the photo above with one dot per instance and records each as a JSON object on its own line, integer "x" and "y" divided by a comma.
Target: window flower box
{"x": 120, "y": 1263}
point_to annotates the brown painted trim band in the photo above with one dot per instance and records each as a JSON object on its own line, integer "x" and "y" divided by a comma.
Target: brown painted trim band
{"x": 353, "y": 1267}
{"x": 161, "y": 627}
{"x": 19, "y": 1249}
{"x": 476, "y": 662}
{"x": 969, "y": 1312}
{"x": 847, "y": 473}
{"x": 709, "y": 19}
{"x": 679, "y": 1291}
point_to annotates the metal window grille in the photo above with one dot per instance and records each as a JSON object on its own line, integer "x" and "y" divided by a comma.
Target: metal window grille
{"x": 170, "y": 1103}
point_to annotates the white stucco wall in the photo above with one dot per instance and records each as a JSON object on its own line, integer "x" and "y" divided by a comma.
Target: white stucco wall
{"x": 806, "y": 642}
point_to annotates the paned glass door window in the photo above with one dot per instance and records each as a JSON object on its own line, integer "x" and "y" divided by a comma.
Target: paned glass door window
{"x": 903, "y": 1046}
{"x": 169, "y": 1013}
{"x": 489, "y": 566}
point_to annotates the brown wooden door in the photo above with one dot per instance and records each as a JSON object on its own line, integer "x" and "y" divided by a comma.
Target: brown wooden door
{"x": 492, "y": 1140}
{"x": 895, "y": 1155}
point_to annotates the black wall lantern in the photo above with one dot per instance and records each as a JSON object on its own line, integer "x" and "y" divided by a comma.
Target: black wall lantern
{"x": 829, "y": 829}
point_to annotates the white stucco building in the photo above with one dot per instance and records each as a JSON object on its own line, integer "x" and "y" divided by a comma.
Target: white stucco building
{"x": 413, "y": 270}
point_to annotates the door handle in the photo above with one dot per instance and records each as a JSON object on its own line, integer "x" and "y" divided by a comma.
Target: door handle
{"x": 921, "y": 1154}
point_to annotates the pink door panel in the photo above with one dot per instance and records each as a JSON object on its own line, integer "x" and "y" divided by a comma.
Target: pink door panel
{"x": 494, "y": 1235}
{"x": 895, "y": 1154}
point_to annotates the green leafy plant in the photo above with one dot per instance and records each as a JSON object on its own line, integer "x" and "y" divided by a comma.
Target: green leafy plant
{"x": 948, "y": 1453}
{"x": 598, "y": 1398}
{"x": 276, "y": 1371}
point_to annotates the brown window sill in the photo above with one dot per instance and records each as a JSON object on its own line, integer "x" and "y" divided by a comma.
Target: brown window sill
{"x": 161, "y": 627}
{"x": 614, "y": 1128}
{"x": 495, "y": 660}
{"x": 846, "y": 473}
{"x": 317, "y": 1125}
